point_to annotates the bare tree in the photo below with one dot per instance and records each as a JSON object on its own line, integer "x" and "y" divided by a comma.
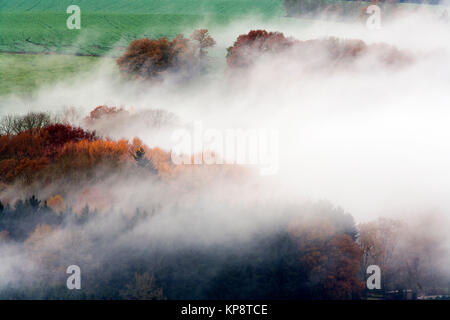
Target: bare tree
{"x": 31, "y": 122}
{"x": 7, "y": 125}
{"x": 204, "y": 40}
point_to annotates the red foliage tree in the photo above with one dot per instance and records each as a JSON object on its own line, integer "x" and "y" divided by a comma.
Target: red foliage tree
{"x": 204, "y": 40}
{"x": 101, "y": 112}
{"x": 25, "y": 154}
{"x": 59, "y": 134}
{"x": 248, "y": 46}
{"x": 151, "y": 58}
{"x": 328, "y": 52}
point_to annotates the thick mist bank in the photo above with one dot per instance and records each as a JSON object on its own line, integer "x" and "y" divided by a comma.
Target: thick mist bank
{"x": 378, "y": 132}
{"x": 367, "y": 137}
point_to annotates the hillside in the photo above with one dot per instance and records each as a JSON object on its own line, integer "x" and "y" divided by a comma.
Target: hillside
{"x": 224, "y": 7}
{"x": 39, "y": 26}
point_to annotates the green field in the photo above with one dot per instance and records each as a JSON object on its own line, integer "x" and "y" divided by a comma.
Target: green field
{"x": 225, "y": 7}
{"x": 107, "y": 27}
{"x": 100, "y": 33}
{"x": 22, "y": 74}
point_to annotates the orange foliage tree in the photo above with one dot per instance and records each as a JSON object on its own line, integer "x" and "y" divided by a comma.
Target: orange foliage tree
{"x": 87, "y": 154}
{"x": 150, "y": 58}
{"x": 56, "y": 203}
{"x": 25, "y": 154}
{"x": 332, "y": 258}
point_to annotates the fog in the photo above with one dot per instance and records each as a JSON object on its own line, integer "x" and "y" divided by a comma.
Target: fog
{"x": 370, "y": 138}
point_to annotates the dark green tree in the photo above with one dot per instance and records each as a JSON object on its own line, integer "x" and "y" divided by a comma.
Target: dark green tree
{"x": 34, "y": 203}
{"x": 84, "y": 215}
{"x": 142, "y": 161}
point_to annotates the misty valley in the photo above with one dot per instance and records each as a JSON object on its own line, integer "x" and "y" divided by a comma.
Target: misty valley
{"x": 224, "y": 150}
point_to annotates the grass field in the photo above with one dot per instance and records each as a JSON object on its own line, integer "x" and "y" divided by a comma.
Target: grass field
{"x": 107, "y": 27}
{"x": 40, "y": 25}
{"x": 224, "y": 7}
{"x": 22, "y": 74}
{"x": 100, "y": 33}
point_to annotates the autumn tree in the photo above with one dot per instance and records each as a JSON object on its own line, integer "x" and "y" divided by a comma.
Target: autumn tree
{"x": 250, "y": 46}
{"x": 101, "y": 112}
{"x": 56, "y": 203}
{"x": 62, "y": 151}
{"x": 152, "y": 58}
{"x": 59, "y": 134}
{"x": 25, "y": 154}
{"x": 204, "y": 40}
{"x": 341, "y": 269}
{"x": 26, "y": 169}
{"x": 86, "y": 155}
{"x": 329, "y": 52}
{"x": 22, "y": 145}
{"x": 329, "y": 253}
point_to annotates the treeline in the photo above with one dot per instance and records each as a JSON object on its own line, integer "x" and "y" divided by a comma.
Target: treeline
{"x": 329, "y": 53}
{"x": 319, "y": 253}
{"x": 53, "y": 154}
{"x": 35, "y": 149}
{"x": 17, "y": 222}
{"x": 152, "y": 59}
{"x": 285, "y": 263}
